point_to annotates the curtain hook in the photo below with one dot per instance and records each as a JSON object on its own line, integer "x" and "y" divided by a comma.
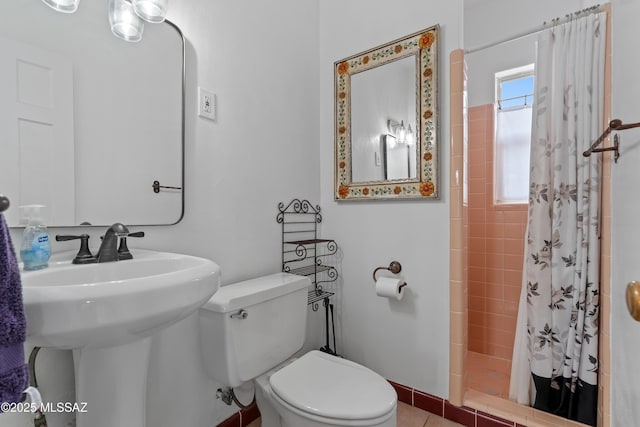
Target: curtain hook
{"x": 555, "y": 21}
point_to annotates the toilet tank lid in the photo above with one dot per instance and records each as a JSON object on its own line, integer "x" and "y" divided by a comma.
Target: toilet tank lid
{"x": 244, "y": 294}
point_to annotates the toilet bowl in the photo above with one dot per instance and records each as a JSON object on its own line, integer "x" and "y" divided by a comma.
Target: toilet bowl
{"x": 249, "y": 331}
{"x": 320, "y": 390}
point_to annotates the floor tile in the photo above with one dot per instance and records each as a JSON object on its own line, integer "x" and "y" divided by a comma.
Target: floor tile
{"x": 484, "y": 376}
{"x": 436, "y": 421}
{"x": 409, "y": 416}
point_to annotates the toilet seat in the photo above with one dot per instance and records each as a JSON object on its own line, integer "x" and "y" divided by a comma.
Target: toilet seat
{"x": 324, "y": 421}
{"x": 326, "y": 386}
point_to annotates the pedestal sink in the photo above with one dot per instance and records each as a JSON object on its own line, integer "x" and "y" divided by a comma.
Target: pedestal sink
{"x": 106, "y": 313}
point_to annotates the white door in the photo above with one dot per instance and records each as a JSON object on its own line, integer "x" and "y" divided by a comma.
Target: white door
{"x": 37, "y": 163}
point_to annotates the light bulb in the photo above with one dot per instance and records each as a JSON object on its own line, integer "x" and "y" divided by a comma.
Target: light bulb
{"x": 402, "y": 133}
{"x": 151, "y": 10}
{"x": 410, "y": 137}
{"x": 125, "y": 24}
{"x": 66, "y": 6}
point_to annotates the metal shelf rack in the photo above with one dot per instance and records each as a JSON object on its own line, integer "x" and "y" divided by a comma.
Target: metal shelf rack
{"x": 303, "y": 253}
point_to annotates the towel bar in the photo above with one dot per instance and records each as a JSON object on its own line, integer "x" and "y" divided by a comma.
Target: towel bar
{"x": 614, "y": 125}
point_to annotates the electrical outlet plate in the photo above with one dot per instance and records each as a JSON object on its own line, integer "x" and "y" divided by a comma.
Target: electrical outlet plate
{"x": 206, "y": 104}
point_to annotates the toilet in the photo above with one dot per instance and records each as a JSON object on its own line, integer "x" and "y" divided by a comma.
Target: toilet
{"x": 249, "y": 332}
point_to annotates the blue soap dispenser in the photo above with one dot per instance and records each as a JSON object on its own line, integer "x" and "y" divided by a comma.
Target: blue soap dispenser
{"x": 36, "y": 249}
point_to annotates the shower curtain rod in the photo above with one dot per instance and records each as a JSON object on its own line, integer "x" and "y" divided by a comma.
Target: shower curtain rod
{"x": 554, "y": 22}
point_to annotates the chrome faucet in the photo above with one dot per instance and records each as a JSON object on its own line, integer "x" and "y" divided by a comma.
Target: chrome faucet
{"x": 109, "y": 247}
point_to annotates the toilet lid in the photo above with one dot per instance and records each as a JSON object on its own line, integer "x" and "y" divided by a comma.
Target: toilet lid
{"x": 331, "y": 387}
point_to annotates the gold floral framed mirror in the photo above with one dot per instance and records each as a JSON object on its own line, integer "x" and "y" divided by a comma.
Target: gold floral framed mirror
{"x": 386, "y": 120}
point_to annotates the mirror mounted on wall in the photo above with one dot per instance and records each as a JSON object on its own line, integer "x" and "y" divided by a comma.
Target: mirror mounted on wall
{"x": 88, "y": 122}
{"x": 386, "y": 120}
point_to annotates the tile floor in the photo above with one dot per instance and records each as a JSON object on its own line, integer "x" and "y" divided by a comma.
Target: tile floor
{"x": 488, "y": 374}
{"x": 408, "y": 416}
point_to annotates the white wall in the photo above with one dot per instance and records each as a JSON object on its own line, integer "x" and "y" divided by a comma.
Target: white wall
{"x": 625, "y": 332}
{"x": 485, "y": 23}
{"x": 406, "y": 341}
{"x": 482, "y": 67}
{"x": 261, "y": 60}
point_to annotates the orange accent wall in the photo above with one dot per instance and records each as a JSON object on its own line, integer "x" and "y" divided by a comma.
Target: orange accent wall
{"x": 496, "y": 247}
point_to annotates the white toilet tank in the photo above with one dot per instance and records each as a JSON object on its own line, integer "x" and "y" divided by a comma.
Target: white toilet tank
{"x": 237, "y": 349}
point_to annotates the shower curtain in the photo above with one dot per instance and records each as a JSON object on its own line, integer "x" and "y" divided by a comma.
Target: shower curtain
{"x": 555, "y": 363}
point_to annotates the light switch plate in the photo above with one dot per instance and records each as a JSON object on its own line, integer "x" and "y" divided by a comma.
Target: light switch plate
{"x": 206, "y": 104}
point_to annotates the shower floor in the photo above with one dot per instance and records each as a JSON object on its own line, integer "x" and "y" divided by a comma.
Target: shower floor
{"x": 488, "y": 374}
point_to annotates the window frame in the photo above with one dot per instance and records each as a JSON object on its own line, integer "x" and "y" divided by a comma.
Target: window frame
{"x": 511, "y": 74}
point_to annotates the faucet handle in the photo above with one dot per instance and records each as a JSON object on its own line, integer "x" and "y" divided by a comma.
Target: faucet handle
{"x": 84, "y": 255}
{"x": 123, "y": 250}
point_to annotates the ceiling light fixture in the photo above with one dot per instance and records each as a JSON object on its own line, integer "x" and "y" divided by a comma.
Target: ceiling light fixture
{"x": 124, "y": 22}
{"x": 154, "y": 11}
{"x": 399, "y": 131}
{"x": 65, "y": 6}
{"x": 125, "y": 16}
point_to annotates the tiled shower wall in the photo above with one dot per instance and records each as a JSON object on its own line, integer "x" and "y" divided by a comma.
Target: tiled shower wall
{"x": 459, "y": 392}
{"x": 496, "y": 245}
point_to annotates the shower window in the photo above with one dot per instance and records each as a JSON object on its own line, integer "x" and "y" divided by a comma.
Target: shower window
{"x": 514, "y": 98}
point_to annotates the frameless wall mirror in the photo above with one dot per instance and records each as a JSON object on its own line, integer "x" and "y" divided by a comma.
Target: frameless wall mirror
{"x": 386, "y": 120}
{"x": 89, "y": 122}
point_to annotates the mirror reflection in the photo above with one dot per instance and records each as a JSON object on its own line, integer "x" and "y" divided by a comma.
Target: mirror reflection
{"x": 384, "y": 104}
{"x": 386, "y": 116}
{"x": 397, "y": 159}
{"x": 88, "y": 122}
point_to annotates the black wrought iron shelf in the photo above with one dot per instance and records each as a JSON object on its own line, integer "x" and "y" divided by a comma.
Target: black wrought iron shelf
{"x": 315, "y": 297}
{"x": 303, "y": 252}
{"x": 309, "y": 241}
{"x": 309, "y": 270}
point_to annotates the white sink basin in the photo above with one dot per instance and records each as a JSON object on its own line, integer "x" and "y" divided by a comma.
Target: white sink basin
{"x": 73, "y": 306}
{"x": 107, "y": 313}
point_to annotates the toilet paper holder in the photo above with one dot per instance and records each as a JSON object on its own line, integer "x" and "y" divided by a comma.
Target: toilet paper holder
{"x": 395, "y": 267}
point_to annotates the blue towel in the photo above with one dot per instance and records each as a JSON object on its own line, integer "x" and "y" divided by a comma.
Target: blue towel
{"x": 14, "y": 374}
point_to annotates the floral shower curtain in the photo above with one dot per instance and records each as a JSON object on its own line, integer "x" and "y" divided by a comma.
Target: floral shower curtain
{"x": 555, "y": 364}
